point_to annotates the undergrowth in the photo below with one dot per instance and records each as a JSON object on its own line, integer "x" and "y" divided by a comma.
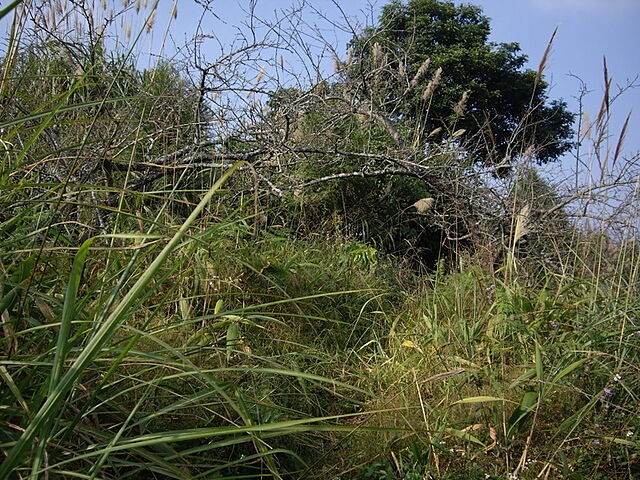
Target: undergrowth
{"x": 170, "y": 332}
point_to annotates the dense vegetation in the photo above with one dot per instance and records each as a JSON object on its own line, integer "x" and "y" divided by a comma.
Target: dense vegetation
{"x": 483, "y": 87}
{"x": 208, "y": 270}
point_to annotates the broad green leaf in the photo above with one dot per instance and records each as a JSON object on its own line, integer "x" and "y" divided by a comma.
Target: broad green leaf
{"x": 464, "y": 435}
{"x": 522, "y": 412}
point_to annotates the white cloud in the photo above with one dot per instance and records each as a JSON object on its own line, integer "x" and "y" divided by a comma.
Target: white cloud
{"x": 589, "y": 6}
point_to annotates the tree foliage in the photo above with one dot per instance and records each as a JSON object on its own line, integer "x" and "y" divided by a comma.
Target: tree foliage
{"x": 482, "y": 88}
{"x": 107, "y": 104}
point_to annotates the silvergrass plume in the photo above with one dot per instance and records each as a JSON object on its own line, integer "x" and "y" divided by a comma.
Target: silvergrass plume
{"x": 151, "y": 19}
{"x": 420, "y": 73}
{"x": 585, "y": 130}
{"x": 377, "y": 53}
{"x": 603, "y": 114}
{"x": 623, "y": 134}
{"x": 261, "y": 73}
{"x": 461, "y": 106}
{"x": 336, "y": 64}
{"x": 434, "y": 132}
{"x": 433, "y": 84}
{"x": 52, "y": 18}
{"x": 543, "y": 61}
{"x": 522, "y": 222}
{"x": 423, "y": 205}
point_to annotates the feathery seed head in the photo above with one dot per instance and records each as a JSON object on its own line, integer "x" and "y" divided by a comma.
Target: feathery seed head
{"x": 377, "y": 53}
{"x": 151, "y": 19}
{"x": 435, "y": 131}
{"x": 402, "y": 71}
{"x": 433, "y": 84}
{"x": 461, "y": 106}
{"x": 336, "y": 64}
{"x": 420, "y": 73}
{"x": 585, "y": 130}
{"x": 261, "y": 74}
{"x": 522, "y": 221}
{"x": 424, "y": 204}
{"x": 349, "y": 56}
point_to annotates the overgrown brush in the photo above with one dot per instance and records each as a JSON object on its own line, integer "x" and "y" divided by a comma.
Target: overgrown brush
{"x": 160, "y": 321}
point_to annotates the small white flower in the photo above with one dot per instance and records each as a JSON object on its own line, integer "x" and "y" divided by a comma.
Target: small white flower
{"x": 617, "y": 378}
{"x": 629, "y": 433}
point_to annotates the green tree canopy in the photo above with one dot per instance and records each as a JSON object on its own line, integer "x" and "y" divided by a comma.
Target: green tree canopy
{"x": 483, "y": 86}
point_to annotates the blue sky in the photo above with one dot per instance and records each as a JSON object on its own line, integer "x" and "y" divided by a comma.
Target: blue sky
{"x": 588, "y": 31}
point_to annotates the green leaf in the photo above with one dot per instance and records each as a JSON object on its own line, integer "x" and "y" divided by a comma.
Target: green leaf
{"x": 464, "y": 435}
{"x": 481, "y": 399}
{"x": 68, "y": 314}
{"x": 9, "y": 8}
{"x": 567, "y": 370}
{"x": 233, "y": 338}
{"x": 100, "y": 337}
{"x": 219, "y": 306}
{"x": 539, "y": 369}
{"x": 522, "y": 412}
{"x": 623, "y": 441}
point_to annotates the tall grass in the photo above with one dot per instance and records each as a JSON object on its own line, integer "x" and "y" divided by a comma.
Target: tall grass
{"x": 186, "y": 339}
{"x": 114, "y": 366}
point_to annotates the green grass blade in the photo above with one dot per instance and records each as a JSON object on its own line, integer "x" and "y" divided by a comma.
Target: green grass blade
{"x": 481, "y": 399}
{"x": 567, "y": 370}
{"x": 61, "y": 108}
{"x": 68, "y": 314}
{"x": 9, "y": 8}
{"x": 109, "y": 326}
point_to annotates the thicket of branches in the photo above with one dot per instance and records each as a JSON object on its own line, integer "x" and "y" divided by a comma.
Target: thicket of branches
{"x": 321, "y": 128}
